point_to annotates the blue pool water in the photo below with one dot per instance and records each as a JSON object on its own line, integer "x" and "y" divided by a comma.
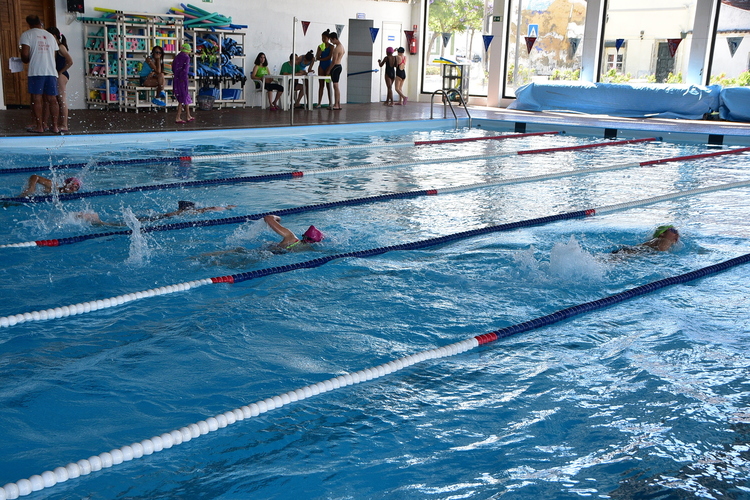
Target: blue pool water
{"x": 646, "y": 399}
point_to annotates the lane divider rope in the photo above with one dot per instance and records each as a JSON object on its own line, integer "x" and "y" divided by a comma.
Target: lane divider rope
{"x": 220, "y": 156}
{"x": 167, "y": 440}
{"x": 298, "y": 174}
{"x": 95, "y": 305}
{"x": 54, "y": 242}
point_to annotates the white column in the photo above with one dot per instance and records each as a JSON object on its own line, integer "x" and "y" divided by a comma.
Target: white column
{"x": 496, "y": 53}
{"x": 700, "y": 44}
{"x": 592, "y": 36}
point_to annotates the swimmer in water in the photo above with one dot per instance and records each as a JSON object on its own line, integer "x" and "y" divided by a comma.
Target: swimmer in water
{"x": 662, "y": 240}
{"x": 70, "y": 185}
{"x": 290, "y": 241}
{"x": 183, "y": 207}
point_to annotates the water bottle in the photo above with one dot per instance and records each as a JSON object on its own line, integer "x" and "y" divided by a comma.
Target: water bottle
{"x": 274, "y": 70}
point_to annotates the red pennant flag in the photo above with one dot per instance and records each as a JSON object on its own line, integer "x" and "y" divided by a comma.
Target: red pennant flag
{"x": 530, "y": 40}
{"x": 673, "y": 44}
{"x": 305, "y": 25}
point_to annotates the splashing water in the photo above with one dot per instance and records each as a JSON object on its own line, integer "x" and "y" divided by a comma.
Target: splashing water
{"x": 139, "y": 253}
{"x": 568, "y": 262}
{"x": 249, "y": 231}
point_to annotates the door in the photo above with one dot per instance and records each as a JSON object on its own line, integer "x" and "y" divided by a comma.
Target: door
{"x": 12, "y": 23}
{"x": 391, "y": 37}
{"x": 664, "y": 63}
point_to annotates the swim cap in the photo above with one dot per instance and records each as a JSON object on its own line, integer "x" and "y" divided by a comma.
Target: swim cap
{"x": 661, "y": 230}
{"x": 401, "y": 50}
{"x": 185, "y": 205}
{"x": 312, "y": 234}
{"x": 73, "y": 181}
{"x": 186, "y": 47}
{"x": 389, "y": 50}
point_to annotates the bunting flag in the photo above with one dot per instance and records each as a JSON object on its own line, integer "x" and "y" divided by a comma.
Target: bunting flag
{"x": 530, "y": 40}
{"x": 574, "y": 42}
{"x": 409, "y": 36}
{"x": 305, "y": 25}
{"x": 374, "y": 33}
{"x": 618, "y": 43}
{"x": 339, "y": 29}
{"x": 446, "y": 39}
{"x": 487, "y": 39}
{"x": 734, "y": 42}
{"x": 673, "y": 44}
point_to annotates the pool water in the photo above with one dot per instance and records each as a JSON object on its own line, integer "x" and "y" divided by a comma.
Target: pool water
{"x": 645, "y": 399}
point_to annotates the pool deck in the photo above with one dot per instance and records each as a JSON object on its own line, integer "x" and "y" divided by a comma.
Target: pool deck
{"x": 13, "y": 122}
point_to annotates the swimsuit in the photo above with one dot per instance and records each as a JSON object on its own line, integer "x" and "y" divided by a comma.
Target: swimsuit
{"x": 60, "y": 64}
{"x": 325, "y": 64}
{"x": 401, "y": 72}
{"x": 336, "y": 73}
{"x": 390, "y": 70}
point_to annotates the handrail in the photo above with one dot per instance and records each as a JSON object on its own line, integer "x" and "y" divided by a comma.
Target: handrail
{"x": 446, "y": 98}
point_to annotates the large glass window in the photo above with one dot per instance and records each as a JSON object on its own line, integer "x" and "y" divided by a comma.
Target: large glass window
{"x": 730, "y": 66}
{"x": 647, "y": 40}
{"x": 455, "y": 29}
{"x": 544, "y": 41}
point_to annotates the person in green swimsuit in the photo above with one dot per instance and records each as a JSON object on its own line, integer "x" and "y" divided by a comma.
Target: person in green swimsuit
{"x": 259, "y": 75}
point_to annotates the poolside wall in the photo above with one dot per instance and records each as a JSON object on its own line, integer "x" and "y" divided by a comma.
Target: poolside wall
{"x": 269, "y": 29}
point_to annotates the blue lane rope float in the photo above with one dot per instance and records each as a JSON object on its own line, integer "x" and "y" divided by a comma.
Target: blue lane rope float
{"x": 95, "y": 305}
{"x": 53, "y": 242}
{"x": 186, "y": 158}
{"x": 294, "y": 175}
{"x": 192, "y": 431}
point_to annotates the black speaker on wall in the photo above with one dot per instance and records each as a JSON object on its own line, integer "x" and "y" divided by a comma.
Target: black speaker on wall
{"x": 75, "y": 6}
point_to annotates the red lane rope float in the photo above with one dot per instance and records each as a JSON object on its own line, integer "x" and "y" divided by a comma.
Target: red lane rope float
{"x": 488, "y": 138}
{"x": 282, "y": 176}
{"x": 587, "y": 146}
{"x": 178, "y": 159}
{"x": 192, "y": 431}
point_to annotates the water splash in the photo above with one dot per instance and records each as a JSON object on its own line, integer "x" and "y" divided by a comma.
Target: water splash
{"x": 139, "y": 252}
{"x": 568, "y": 263}
{"x": 249, "y": 231}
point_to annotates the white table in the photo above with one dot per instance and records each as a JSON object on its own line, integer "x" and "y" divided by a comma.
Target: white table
{"x": 285, "y": 79}
{"x": 311, "y": 79}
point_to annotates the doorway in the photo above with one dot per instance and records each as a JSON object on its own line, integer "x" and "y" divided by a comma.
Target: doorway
{"x": 12, "y": 23}
{"x": 391, "y": 38}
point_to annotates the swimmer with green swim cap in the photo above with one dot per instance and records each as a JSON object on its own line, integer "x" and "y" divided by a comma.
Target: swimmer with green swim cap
{"x": 662, "y": 240}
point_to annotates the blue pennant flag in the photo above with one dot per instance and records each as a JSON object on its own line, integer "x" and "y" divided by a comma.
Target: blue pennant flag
{"x": 487, "y": 41}
{"x": 374, "y": 33}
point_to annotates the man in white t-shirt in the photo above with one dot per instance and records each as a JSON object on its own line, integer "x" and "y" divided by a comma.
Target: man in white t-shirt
{"x": 38, "y": 49}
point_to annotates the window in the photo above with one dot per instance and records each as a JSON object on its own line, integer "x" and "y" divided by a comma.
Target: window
{"x": 731, "y": 56}
{"x": 544, "y": 41}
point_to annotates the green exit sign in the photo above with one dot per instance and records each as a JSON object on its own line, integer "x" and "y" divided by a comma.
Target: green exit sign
{"x": 495, "y": 19}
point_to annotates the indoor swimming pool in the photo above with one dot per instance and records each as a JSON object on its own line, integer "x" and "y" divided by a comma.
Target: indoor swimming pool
{"x": 199, "y": 360}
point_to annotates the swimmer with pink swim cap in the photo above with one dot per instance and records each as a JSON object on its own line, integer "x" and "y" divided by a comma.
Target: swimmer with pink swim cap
{"x": 70, "y": 185}
{"x": 290, "y": 241}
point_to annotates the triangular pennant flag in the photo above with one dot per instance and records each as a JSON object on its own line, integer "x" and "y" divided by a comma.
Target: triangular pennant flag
{"x": 339, "y": 29}
{"x": 305, "y": 25}
{"x": 409, "y": 36}
{"x": 573, "y": 45}
{"x": 446, "y": 39}
{"x": 618, "y": 43}
{"x": 374, "y": 33}
{"x": 734, "y": 42}
{"x": 530, "y": 42}
{"x": 673, "y": 44}
{"x": 487, "y": 39}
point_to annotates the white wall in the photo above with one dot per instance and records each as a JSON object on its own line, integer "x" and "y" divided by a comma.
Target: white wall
{"x": 269, "y": 27}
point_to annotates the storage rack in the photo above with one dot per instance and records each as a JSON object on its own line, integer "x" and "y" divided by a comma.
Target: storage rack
{"x": 120, "y": 45}
{"x": 219, "y": 63}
